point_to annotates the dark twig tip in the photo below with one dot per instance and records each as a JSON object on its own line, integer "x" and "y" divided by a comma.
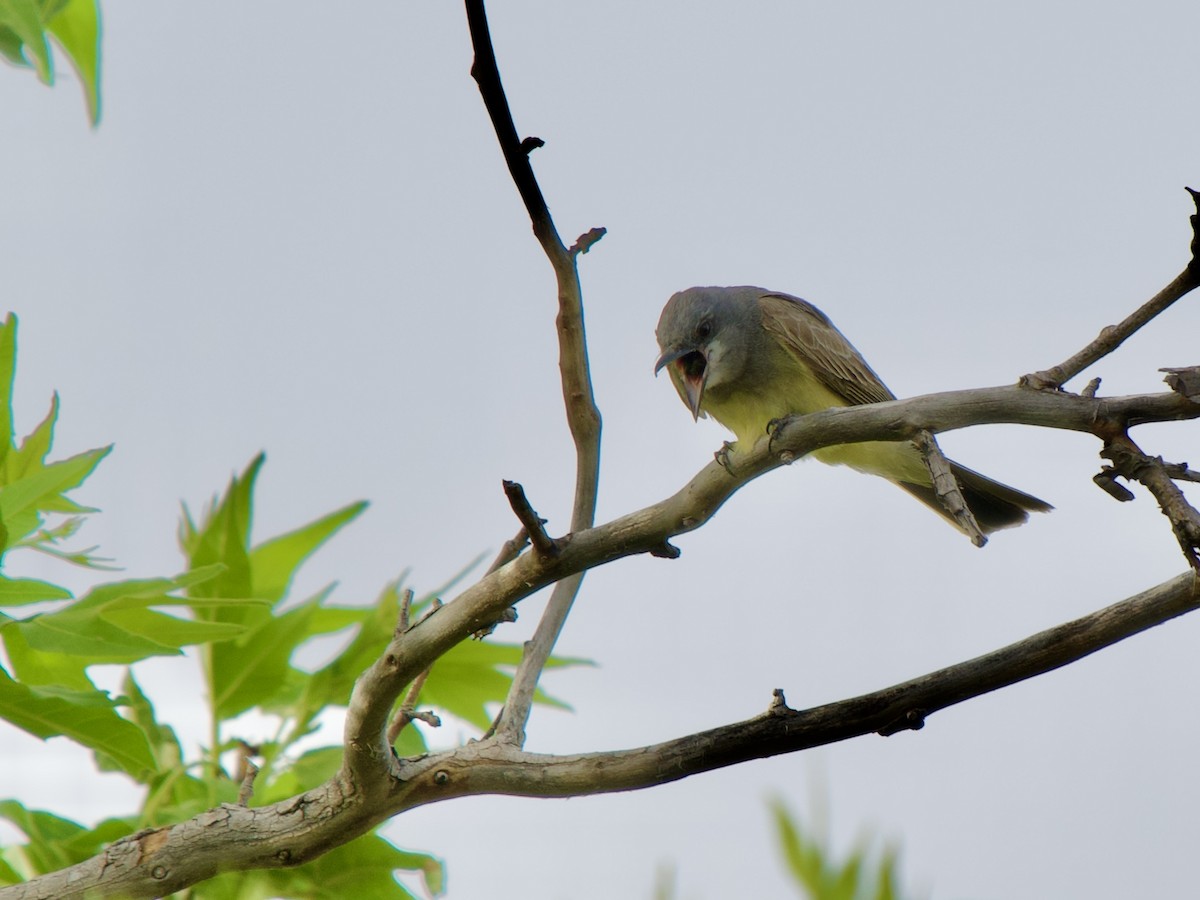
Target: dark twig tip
{"x": 1194, "y": 264}
{"x": 666, "y": 550}
{"x": 529, "y": 144}
{"x": 1106, "y": 480}
{"x": 587, "y": 240}
{"x": 543, "y": 544}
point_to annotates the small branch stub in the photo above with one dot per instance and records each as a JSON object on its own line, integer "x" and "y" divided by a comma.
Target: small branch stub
{"x": 1130, "y": 462}
{"x": 1184, "y": 381}
{"x": 587, "y": 240}
{"x": 246, "y": 789}
{"x": 945, "y": 485}
{"x": 543, "y": 544}
{"x": 779, "y": 705}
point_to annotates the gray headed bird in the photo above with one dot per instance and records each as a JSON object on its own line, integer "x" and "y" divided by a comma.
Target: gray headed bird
{"x": 745, "y": 356}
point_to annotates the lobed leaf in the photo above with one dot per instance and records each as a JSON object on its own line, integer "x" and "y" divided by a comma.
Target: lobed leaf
{"x": 86, "y": 717}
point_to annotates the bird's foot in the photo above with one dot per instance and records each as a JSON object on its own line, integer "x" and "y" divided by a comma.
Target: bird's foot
{"x": 773, "y": 428}
{"x": 722, "y": 457}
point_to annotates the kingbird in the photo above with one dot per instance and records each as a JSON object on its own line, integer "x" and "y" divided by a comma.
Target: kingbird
{"x": 747, "y": 356}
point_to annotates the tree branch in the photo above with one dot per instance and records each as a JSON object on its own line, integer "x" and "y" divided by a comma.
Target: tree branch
{"x": 159, "y": 861}
{"x": 1111, "y": 337}
{"x": 582, "y": 415}
{"x": 649, "y": 529}
{"x": 946, "y": 487}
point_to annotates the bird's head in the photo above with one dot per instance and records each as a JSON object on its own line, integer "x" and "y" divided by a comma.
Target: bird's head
{"x": 703, "y": 334}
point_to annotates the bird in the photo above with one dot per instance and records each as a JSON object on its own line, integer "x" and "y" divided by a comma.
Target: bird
{"x": 747, "y": 356}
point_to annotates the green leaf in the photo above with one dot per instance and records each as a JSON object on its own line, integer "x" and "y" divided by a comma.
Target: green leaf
{"x": 8, "y": 369}
{"x": 24, "y": 18}
{"x": 20, "y": 500}
{"x": 224, "y": 537}
{"x": 112, "y": 623}
{"x": 274, "y": 562}
{"x": 8, "y": 875}
{"x": 366, "y": 867}
{"x": 19, "y": 591}
{"x": 311, "y": 769}
{"x": 34, "y": 448}
{"x": 86, "y": 717}
{"x": 55, "y": 842}
{"x": 332, "y": 683}
{"x": 474, "y": 674}
{"x": 866, "y": 874}
{"x": 163, "y": 743}
{"x": 77, "y": 30}
{"x": 250, "y": 671}
{"x": 36, "y": 667}
{"x": 46, "y": 833}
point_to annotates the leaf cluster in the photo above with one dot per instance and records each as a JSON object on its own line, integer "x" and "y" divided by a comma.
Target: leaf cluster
{"x": 27, "y": 27}
{"x": 867, "y": 873}
{"x": 232, "y": 609}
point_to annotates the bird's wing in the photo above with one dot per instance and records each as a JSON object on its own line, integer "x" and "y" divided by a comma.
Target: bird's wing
{"x": 805, "y": 331}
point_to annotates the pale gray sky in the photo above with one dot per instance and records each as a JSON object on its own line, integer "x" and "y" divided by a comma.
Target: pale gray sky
{"x": 294, "y": 232}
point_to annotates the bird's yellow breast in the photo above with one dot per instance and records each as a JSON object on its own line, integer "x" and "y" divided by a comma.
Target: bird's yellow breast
{"x": 796, "y": 391}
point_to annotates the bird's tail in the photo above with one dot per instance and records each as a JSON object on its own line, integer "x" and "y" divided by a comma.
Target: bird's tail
{"x": 994, "y": 505}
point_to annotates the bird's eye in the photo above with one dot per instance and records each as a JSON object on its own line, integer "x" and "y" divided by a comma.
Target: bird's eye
{"x": 704, "y": 330}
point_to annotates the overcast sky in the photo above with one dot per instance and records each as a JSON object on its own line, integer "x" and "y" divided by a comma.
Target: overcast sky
{"x": 294, "y": 232}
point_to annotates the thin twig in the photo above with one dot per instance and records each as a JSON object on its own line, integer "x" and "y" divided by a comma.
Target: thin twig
{"x": 406, "y": 601}
{"x": 531, "y": 522}
{"x": 245, "y": 772}
{"x": 1113, "y": 336}
{"x": 246, "y": 788}
{"x": 945, "y": 486}
{"x": 156, "y": 862}
{"x": 1184, "y": 381}
{"x": 408, "y": 711}
{"x": 1130, "y": 462}
{"x": 643, "y": 530}
{"x": 583, "y": 417}
{"x": 510, "y": 550}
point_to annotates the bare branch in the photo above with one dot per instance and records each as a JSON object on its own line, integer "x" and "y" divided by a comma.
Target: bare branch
{"x": 1111, "y": 337}
{"x": 1184, "y": 381}
{"x": 408, "y": 709}
{"x": 159, "y": 861}
{"x": 906, "y": 706}
{"x": 406, "y": 602}
{"x": 649, "y": 529}
{"x": 582, "y": 415}
{"x": 945, "y": 485}
{"x": 531, "y": 522}
{"x": 1130, "y": 462}
{"x": 246, "y": 788}
{"x": 587, "y": 240}
{"x": 511, "y": 550}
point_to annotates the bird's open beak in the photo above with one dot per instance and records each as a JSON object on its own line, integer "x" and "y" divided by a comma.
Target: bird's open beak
{"x": 690, "y": 371}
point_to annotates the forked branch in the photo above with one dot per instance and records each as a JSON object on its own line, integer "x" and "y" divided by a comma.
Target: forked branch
{"x": 1111, "y": 337}
{"x": 582, "y": 415}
